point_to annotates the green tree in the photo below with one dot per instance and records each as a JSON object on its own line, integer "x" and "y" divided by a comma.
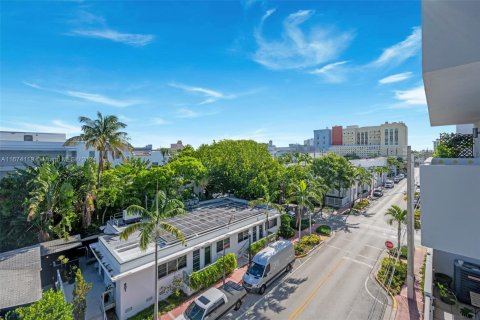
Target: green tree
{"x": 362, "y": 177}
{"x": 190, "y": 171}
{"x": 380, "y": 171}
{"x": 267, "y": 202}
{"x": 336, "y": 171}
{"x": 305, "y": 197}
{"x": 398, "y": 216}
{"x": 393, "y": 164}
{"x": 104, "y": 135}
{"x": 152, "y": 226}
{"x": 286, "y": 231}
{"x": 52, "y": 306}
{"x": 80, "y": 292}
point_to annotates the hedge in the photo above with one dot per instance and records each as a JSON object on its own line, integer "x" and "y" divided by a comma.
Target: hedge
{"x": 324, "y": 230}
{"x": 262, "y": 243}
{"x": 211, "y": 274}
{"x": 306, "y": 244}
{"x": 398, "y": 278}
{"x": 286, "y": 231}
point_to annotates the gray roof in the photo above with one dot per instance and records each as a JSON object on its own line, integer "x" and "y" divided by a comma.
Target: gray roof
{"x": 20, "y": 277}
{"x": 60, "y": 245}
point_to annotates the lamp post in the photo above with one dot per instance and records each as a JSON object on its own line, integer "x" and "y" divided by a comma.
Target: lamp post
{"x": 249, "y": 245}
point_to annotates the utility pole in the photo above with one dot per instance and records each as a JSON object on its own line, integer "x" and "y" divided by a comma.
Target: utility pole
{"x": 410, "y": 223}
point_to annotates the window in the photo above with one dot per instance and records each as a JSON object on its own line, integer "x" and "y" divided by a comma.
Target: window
{"x": 272, "y": 223}
{"x": 386, "y": 137}
{"x": 172, "y": 266}
{"x": 91, "y": 154}
{"x": 242, "y": 236}
{"x": 391, "y": 136}
{"x": 182, "y": 262}
{"x": 162, "y": 270}
{"x": 196, "y": 260}
{"x": 28, "y": 137}
{"x": 267, "y": 269}
{"x": 225, "y": 243}
{"x": 260, "y": 231}
{"x": 254, "y": 234}
{"x": 208, "y": 256}
{"x": 396, "y": 137}
{"x": 219, "y": 246}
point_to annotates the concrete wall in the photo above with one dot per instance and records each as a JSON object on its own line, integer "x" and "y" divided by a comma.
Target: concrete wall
{"x": 450, "y": 207}
{"x": 43, "y": 137}
{"x": 443, "y": 261}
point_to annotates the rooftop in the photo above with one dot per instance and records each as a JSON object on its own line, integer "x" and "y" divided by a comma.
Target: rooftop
{"x": 60, "y": 245}
{"x": 20, "y": 277}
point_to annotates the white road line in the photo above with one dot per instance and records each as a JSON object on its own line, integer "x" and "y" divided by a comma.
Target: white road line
{"x": 374, "y": 247}
{"x": 369, "y": 293}
{"x": 359, "y": 262}
{"x": 365, "y": 257}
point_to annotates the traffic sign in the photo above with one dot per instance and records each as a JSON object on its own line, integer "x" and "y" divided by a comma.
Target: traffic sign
{"x": 389, "y": 244}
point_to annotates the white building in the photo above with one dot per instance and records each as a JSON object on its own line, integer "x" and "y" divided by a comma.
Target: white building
{"x": 450, "y": 187}
{"x": 208, "y": 228}
{"x": 359, "y": 150}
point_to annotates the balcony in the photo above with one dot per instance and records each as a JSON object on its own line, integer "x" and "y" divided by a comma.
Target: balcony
{"x": 450, "y": 209}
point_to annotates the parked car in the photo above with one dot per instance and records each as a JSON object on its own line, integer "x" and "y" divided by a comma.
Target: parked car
{"x": 389, "y": 184}
{"x": 377, "y": 193}
{"x": 215, "y": 302}
{"x": 396, "y": 180}
{"x": 268, "y": 264}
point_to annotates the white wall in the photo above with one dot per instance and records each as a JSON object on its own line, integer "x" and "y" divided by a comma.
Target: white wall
{"x": 43, "y": 137}
{"x": 450, "y": 206}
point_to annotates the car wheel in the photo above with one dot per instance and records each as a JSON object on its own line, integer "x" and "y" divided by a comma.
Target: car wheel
{"x": 238, "y": 304}
{"x": 289, "y": 267}
{"x": 262, "y": 289}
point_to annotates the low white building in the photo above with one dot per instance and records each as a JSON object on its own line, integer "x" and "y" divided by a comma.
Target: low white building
{"x": 208, "y": 228}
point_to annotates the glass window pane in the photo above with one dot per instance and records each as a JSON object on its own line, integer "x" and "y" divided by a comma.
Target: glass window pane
{"x": 172, "y": 266}
{"x": 182, "y": 262}
{"x": 162, "y": 270}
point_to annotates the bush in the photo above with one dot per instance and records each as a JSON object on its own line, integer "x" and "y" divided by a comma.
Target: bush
{"x": 286, "y": 231}
{"x": 398, "y": 277}
{"x": 418, "y": 215}
{"x": 306, "y": 244}
{"x": 403, "y": 252}
{"x": 324, "y": 230}
{"x": 303, "y": 224}
{"x": 362, "y": 204}
{"x": 257, "y": 246}
{"x": 211, "y": 274}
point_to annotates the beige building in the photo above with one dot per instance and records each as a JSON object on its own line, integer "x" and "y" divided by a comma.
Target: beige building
{"x": 393, "y": 139}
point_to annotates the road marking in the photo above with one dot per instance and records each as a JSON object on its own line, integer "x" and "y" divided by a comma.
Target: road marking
{"x": 297, "y": 312}
{"x": 359, "y": 262}
{"x": 369, "y": 293}
{"x": 365, "y": 257}
{"x": 338, "y": 248}
{"x": 374, "y": 247}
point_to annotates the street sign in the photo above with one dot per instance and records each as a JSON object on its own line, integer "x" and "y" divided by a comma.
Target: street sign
{"x": 389, "y": 244}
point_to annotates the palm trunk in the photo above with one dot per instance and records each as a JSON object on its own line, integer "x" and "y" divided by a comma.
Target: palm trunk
{"x": 100, "y": 165}
{"x": 399, "y": 234}
{"x": 299, "y": 223}
{"x": 155, "y": 304}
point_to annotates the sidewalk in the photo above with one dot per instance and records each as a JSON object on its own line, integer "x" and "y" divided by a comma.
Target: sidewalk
{"x": 412, "y": 309}
{"x": 236, "y": 276}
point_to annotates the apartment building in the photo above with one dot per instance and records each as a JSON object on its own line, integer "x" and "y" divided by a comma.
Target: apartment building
{"x": 450, "y": 187}
{"x": 322, "y": 139}
{"x": 208, "y": 228}
{"x": 337, "y": 135}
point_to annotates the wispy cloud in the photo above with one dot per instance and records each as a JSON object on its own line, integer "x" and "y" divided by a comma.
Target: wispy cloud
{"x": 333, "y": 72}
{"x": 210, "y": 95}
{"x": 91, "y": 97}
{"x": 187, "y": 113}
{"x": 298, "y": 48}
{"x": 133, "y": 39}
{"x": 396, "y": 78}
{"x": 412, "y": 97}
{"x": 401, "y": 51}
{"x": 159, "y": 121}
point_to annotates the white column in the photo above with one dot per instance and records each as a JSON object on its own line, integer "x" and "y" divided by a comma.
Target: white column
{"x": 410, "y": 224}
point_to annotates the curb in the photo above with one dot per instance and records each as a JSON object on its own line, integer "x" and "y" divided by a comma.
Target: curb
{"x": 394, "y": 300}
{"x": 317, "y": 246}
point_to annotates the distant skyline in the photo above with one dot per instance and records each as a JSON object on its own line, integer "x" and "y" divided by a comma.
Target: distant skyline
{"x": 204, "y": 71}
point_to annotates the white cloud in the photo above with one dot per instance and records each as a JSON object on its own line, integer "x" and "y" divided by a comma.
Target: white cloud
{"x": 187, "y": 113}
{"x": 395, "y": 78}
{"x": 401, "y": 51}
{"x": 92, "y": 97}
{"x": 159, "y": 121}
{"x": 298, "y": 48}
{"x": 208, "y": 94}
{"x": 333, "y": 72}
{"x": 133, "y": 39}
{"x": 411, "y": 97}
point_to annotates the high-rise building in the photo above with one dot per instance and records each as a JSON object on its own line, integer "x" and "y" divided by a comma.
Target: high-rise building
{"x": 322, "y": 139}
{"x": 337, "y": 135}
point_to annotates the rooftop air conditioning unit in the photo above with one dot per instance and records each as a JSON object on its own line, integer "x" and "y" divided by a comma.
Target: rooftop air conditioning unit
{"x": 130, "y": 217}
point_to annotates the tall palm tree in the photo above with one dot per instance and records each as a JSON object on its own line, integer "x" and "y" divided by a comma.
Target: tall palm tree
{"x": 380, "y": 171}
{"x": 396, "y": 214}
{"x": 152, "y": 226}
{"x": 305, "y": 197}
{"x": 268, "y": 203}
{"x": 104, "y": 135}
{"x": 165, "y": 153}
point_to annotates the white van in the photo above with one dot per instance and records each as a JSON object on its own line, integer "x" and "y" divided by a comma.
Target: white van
{"x": 268, "y": 264}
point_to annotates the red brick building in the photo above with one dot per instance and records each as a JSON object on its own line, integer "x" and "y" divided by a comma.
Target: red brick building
{"x": 337, "y": 134}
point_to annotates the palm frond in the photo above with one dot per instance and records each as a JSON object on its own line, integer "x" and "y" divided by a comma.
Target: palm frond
{"x": 173, "y": 230}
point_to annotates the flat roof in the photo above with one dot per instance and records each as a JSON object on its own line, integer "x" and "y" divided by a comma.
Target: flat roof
{"x": 207, "y": 217}
{"x": 20, "y": 277}
{"x": 60, "y": 245}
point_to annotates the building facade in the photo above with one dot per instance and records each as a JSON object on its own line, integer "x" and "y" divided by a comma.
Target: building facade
{"x": 322, "y": 139}
{"x": 337, "y": 135}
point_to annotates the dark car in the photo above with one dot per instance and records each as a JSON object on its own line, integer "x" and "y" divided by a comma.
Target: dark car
{"x": 377, "y": 193}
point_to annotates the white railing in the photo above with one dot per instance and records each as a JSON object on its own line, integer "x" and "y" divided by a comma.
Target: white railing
{"x": 428, "y": 286}
{"x": 59, "y": 284}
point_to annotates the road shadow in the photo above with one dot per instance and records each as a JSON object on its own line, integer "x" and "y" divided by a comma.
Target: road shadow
{"x": 338, "y": 223}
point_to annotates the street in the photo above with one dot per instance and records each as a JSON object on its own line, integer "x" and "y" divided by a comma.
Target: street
{"x": 334, "y": 282}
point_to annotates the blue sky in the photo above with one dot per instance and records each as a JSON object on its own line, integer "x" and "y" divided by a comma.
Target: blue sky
{"x": 204, "y": 71}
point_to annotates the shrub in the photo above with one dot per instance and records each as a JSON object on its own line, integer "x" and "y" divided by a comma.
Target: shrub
{"x": 286, "y": 231}
{"x": 324, "y": 230}
{"x": 300, "y": 248}
{"x": 362, "y": 204}
{"x": 306, "y": 244}
{"x": 418, "y": 215}
{"x": 403, "y": 252}
{"x": 211, "y": 274}
{"x": 303, "y": 224}
{"x": 398, "y": 277}
{"x": 257, "y": 246}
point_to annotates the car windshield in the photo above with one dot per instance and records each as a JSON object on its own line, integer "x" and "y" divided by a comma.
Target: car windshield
{"x": 194, "y": 312}
{"x": 256, "y": 269}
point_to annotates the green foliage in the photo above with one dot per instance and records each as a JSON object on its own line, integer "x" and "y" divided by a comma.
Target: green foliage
{"x": 303, "y": 225}
{"x": 324, "y": 230}
{"x": 403, "y": 252}
{"x": 211, "y": 274}
{"x": 336, "y": 171}
{"x": 52, "y": 306}
{"x": 362, "y": 204}
{"x": 446, "y": 295}
{"x": 306, "y": 244}
{"x": 257, "y": 246}
{"x": 285, "y": 231}
{"x": 80, "y": 292}
{"x": 164, "y": 306}
{"x": 417, "y": 219}
{"x": 451, "y": 145}
{"x": 399, "y": 275}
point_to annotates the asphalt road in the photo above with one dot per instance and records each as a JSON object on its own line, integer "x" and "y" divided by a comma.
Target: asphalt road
{"x": 334, "y": 282}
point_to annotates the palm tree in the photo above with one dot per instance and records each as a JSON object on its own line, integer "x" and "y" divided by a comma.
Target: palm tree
{"x": 152, "y": 226}
{"x": 165, "y": 153}
{"x": 380, "y": 171}
{"x": 305, "y": 197}
{"x": 399, "y": 216}
{"x": 267, "y": 202}
{"x": 104, "y": 135}
{"x": 362, "y": 177}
